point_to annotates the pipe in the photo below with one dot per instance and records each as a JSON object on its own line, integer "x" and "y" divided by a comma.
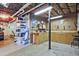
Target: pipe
{"x": 26, "y": 5}
{"x": 34, "y": 8}
{"x": 21, "y": 13}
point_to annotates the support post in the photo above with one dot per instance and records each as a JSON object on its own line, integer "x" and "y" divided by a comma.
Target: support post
{"x": 49, "y": 29}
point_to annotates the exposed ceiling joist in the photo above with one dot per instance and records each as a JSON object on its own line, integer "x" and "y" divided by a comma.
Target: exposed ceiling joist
{"x": 60, "y": 8}
{"x": 22, "y": 8}
{"x": 56, "y": 11}
{"x": 34, "y": 8}
{"x": 68, "y": 8}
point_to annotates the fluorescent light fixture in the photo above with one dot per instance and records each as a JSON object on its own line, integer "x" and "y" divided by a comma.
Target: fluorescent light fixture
{"x": 43, "y": 11}
{"x": 56, "y": 17}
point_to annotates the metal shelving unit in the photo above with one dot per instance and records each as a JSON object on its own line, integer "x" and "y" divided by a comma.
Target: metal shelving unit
{"x": 22, "y": 32}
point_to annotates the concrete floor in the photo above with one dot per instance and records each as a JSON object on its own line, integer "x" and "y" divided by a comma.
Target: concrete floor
{"x": 42, "y": 50}
{"x": 10, "y": 48}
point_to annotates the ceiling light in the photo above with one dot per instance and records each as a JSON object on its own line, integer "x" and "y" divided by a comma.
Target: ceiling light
{"x": 56, "y": 17}
{"x": 43, "y": 11}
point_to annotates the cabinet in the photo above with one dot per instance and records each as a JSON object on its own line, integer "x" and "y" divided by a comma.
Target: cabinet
{"x": 39, "y": 37}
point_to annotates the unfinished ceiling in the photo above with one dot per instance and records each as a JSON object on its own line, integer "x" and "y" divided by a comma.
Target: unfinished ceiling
{"x": 64, "y": 9}
{"x": 61, "y": 9}
{"x": 58, "y": 8}
{"x": 12, "y": 7}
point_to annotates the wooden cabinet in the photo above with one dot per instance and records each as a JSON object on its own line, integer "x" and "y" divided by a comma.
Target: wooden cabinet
{"x": 38, "y": 38}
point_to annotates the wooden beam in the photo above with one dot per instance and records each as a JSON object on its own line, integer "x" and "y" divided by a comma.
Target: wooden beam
{"x": 68, "y": 7}
{"x": 52, "y": 13}
{"x": 56, "y": 11}
{"x": 34, "y": 8}
{"x": 60, "y": 8}
{"x": 22, "y": 8}
{"x": 70, "y": 14}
